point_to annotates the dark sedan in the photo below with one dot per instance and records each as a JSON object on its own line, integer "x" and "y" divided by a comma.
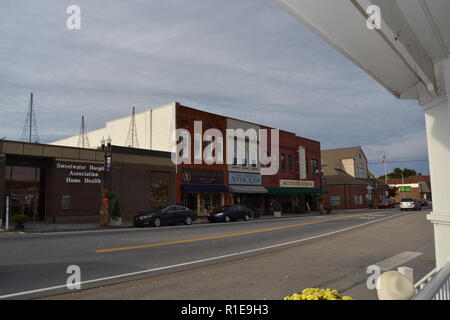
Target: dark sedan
{"x": 386, "y": 203}
{"x": 230, "y": 213}
{"x": 423, "y": 202}
{"x": 165, "y": 215}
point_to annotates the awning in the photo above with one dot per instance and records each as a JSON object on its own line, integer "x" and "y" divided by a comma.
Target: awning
{"x": 247, "y": 189}
{"x": 287, "y": 191}
{"x": 203, "y": 188}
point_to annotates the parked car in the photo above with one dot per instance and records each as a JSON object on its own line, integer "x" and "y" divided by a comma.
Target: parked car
{"x": 423, "y": 202}
{"x": 409, "y": 204}
{"x": 386, "y": 203}
{"x": 230, "y": 213}
{"x": 165, "y": 215}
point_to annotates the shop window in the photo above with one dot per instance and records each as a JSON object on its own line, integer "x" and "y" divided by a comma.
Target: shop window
{"x": 335, "y": 201}
{"x": 160, "y": 187}
{"x": 358, "y": 199}
{"x": 314, "y": 166}
{"x": 65, "y": 203}
{"x": 208, "y": 149}
{"x": 198, "y": 146}
{"x": 283, "y": 161}
{"x": 290, "y": 163}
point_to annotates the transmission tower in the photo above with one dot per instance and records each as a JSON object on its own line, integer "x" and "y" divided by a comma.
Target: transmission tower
{"x": 132, "y": 140}
{"x": 83, "y": 141}
{"x": 30, "y": 133}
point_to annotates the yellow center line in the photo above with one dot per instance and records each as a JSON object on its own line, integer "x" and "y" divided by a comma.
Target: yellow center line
{"x": 160, "y": 244}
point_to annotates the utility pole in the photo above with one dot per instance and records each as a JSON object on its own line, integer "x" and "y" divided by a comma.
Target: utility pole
{"x": 30, "y": 133}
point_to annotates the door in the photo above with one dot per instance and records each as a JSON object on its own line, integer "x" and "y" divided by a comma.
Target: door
{"x": 181, "y": 213}
{"x": 169, "y": 215}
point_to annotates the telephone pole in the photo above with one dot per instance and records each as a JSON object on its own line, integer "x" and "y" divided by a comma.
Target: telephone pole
{"x": 30, "y": 133}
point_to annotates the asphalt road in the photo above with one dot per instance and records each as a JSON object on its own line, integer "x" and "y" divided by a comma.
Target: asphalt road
{"x": 35, "y": 265}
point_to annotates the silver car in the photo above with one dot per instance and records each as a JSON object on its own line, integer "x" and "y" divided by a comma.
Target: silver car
{"x": 410, "y": 204}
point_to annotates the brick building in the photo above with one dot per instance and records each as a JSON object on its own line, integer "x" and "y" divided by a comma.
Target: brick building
{"x": 297, "y": 184}
{"x": 347, "y": 182}
{"x": 62, "y": 184}
{"x": 203, "y": 187}
{"x": 419, "y": 187}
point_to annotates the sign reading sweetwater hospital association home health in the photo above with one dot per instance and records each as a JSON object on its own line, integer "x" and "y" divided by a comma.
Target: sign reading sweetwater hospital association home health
{"x": 296, "y": 184}
{"x": 81, "y": 173}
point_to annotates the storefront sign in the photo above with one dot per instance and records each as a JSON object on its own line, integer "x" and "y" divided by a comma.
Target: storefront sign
{"x": 296, "y": 184}
{"x": 81, "y": 173}
{"x": 248, "y": 179}
{"x": 198, "y": 176}
{"x": 302, "y": 162}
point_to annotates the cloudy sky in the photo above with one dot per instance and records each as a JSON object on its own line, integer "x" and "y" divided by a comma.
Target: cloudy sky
{"x": 245, "y": 59}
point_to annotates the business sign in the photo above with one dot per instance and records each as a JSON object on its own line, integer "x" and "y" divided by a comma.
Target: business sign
{"x": 405, "y": 188}
{"x": 81, "y": 173}
{"x": 198, "y": 176}
{"x": 296, "y": 184}
{"x": 302, "y": 162}
{"x": 246, "y": 179}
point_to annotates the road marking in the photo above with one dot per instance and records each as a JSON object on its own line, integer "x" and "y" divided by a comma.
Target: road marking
{"x": 160, "y": 244}
{"x": 195, "y": 261}
{"x": 349, "y": 281}
{"x": 397, "y": 260}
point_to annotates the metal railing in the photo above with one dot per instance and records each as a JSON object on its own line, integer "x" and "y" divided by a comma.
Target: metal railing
{"x": 435, "y": 285}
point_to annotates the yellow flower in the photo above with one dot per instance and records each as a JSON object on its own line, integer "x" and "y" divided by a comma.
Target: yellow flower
{"x": 317, "y": 294}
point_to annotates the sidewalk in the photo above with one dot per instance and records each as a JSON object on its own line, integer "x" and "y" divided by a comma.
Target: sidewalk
{"x": 44, "y": 227}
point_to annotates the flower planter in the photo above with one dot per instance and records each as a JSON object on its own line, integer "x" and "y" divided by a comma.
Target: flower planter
{"x": 19, "y": 227}
{"x": 117, "y": 222}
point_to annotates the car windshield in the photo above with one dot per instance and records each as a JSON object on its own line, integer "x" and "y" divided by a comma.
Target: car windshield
{"x": 407, "y": 200}
{"x": 159, "y": 209}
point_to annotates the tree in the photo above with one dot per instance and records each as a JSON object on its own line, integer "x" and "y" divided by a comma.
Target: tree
{"x": 393, "y": 192}
{"x": 397, "y": 173}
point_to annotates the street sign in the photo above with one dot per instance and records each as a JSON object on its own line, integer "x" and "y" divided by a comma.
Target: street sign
{"x": 405, "y": 188}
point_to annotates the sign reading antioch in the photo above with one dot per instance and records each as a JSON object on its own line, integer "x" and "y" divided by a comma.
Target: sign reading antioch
{"x": 81, "y": 173}
{"x": 296, "y": 184}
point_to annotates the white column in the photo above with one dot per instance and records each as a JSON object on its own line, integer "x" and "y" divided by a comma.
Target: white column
{"x": 437, "y": 118}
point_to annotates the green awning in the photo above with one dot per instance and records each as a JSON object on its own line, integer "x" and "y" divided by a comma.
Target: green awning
{"x": 286, "y": 191}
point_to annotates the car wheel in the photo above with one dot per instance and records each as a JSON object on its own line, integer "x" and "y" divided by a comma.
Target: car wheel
{"x": 156, "y": 222}
{"x": 188, "y": 220}
{"x": 227, "y": 219}
{"x": 246, "y": 217}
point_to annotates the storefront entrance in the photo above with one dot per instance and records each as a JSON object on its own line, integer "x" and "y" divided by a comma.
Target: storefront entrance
{"x": 26, "y": 188}
{"x": 204, "y": 202}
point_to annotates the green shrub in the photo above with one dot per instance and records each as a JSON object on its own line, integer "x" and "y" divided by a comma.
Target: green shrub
{"x": 19, "y": 218}
{"x": 116, "y": 211}
{"x": 276, "y": 206}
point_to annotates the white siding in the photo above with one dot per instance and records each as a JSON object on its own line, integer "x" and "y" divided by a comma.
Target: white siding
{"x": 159, "y": 121}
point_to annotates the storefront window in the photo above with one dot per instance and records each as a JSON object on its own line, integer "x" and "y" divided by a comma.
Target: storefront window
{"x": 160, "y": 187}
{"x": 290, "y": 163}
{"x": 283, "y": 161}
{"x": 25, "y": 186}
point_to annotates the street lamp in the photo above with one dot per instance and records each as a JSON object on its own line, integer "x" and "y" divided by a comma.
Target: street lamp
{"x": 106, "y": 182}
